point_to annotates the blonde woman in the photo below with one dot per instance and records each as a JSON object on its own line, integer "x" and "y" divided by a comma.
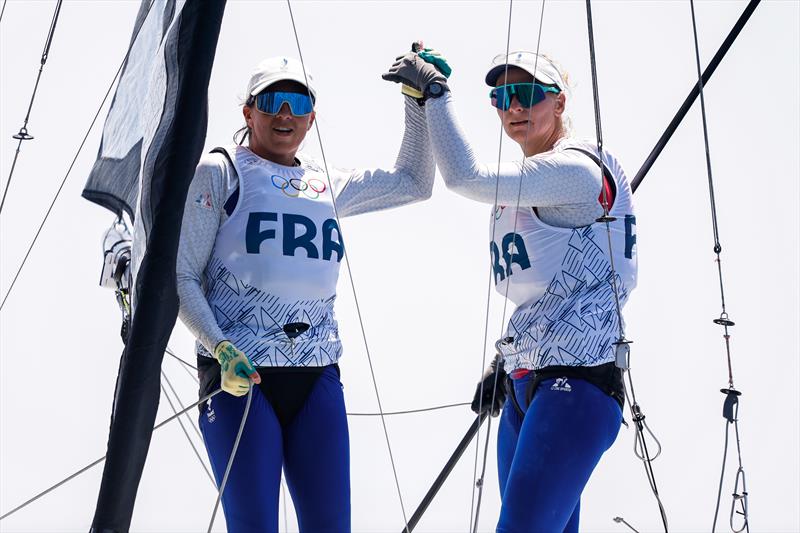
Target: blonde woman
{"x": 550, "y": 257}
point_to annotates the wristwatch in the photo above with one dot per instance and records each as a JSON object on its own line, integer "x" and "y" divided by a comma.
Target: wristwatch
{"x": 435, "y": 90}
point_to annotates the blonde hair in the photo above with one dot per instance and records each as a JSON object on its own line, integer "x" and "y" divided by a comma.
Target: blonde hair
{"x": 565, "y": 120}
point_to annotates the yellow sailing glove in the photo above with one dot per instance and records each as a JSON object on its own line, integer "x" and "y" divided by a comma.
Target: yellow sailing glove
{"x": 237, "y": 370}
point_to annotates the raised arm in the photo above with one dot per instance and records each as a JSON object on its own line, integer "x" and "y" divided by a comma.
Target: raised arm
{"x": 551, "y": 179}
{"x": 410, "y": 180}
{"x": 201, "y": 220}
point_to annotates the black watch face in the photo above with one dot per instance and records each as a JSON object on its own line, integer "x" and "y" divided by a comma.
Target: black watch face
{"x": 435, "y": 89}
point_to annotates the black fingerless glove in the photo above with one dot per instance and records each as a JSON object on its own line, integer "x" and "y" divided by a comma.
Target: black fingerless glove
{"x": 490, "y": 395}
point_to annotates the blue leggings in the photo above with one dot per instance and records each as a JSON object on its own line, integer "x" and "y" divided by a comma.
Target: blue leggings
{"x": 545, "y": 458}
{"x": 313, "y": 450}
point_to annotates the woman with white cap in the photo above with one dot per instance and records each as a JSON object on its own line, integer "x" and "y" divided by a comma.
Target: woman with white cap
{"x": 257, "y": 270}
{"x": 550, "y": 256}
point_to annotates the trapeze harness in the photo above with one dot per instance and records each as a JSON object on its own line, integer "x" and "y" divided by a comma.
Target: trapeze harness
{"x": 605, "y": 376}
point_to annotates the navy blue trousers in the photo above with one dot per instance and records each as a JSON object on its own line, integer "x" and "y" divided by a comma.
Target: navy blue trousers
{"x": 313, "y": 450}
{"x": 545, "y": 458}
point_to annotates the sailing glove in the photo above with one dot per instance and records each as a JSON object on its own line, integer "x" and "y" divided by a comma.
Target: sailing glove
{"x": 411, "y": 70}
{"x": 490, "y": 395}
{"x": 237, "y": 370}
{"x": 437, "y": 60}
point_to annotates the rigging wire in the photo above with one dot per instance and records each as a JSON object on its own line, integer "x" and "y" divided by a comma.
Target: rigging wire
{"x": 352, "y": 282}
{"x": 3, "y": 10}
{"x": 511, "y": 257}
{"x": 620, "y": 520}
{"x": 178, "y": 398}
{"x": 22, "y": 134}
{"x": 232, "y": 457}
{"x": 412, "y": 411}
{"x": 185, "y": 410}
{"x": 622, "y": 345}
{"x": 386, "y": 413}
{"x": 472, "y": 509}
{"x": 693, "y": 93}
{"x": 74, "y": 159}
{"x": 731, "y": 406}
{"x": 103, "y": 458}
{"x": 184, "y": 363}
{"x": 183, "y": 428}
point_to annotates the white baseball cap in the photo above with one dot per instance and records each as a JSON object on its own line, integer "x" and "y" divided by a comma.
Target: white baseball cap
{"x": 537, "y": 66}
{"x": 275, "y": 69}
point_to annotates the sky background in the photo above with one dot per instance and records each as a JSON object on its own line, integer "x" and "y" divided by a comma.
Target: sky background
{"x": 421, "y": 271}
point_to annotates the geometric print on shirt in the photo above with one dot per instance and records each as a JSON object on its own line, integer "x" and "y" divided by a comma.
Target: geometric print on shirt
{"x": 253, "y": 321}
{"x": 575, "y": 323}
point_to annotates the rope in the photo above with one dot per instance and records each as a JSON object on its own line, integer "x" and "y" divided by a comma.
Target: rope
{"x": 74, "y": 159}
{"x": 412, "y": 411}
{"x": 103, "y": 458}
{"x": 731, "y": 412}
{"x": 3, "y": 10}
{"x": 741, "y": 498}
{"x": 622, "y": 345}
{"x": 352, "y": 282}
{"x": 387, "y": 413}
{"x": 178, "y": 398}
{"x": 23, "y": 135}
{"x": 180, "y": 422}
{"x": 232, "y": 457}
{"x": 185, "y": 410}
{"x": 731, "y": 399}
{"x": 620, "y": 520}
{"x": 721, "y": 478}
{"x": 183, "y": 362}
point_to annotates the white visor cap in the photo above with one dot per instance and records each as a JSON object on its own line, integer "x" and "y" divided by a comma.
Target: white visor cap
{"x": 537, "y": 66}
{"x": 275, "y": 69}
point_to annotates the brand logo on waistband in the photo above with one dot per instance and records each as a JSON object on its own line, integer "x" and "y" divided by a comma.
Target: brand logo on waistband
{"x": 562, "y": 385}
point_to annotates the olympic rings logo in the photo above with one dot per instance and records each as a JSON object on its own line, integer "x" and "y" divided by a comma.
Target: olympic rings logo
{"x": 293, "y": 187}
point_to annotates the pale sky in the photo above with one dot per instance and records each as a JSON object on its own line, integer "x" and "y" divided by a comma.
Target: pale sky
{"x": 421, "y": 271}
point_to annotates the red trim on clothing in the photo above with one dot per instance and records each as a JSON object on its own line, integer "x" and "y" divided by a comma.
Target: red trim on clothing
{"x": 609, "y": 194}
{"x": 520, "y": 373}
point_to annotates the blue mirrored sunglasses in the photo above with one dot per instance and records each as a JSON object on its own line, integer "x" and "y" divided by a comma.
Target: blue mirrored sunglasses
{"x": 528, "y": 94}
{"x": 270, "y": 103}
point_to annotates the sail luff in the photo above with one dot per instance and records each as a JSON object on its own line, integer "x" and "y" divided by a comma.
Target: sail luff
{"x": 172, "y": 137}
